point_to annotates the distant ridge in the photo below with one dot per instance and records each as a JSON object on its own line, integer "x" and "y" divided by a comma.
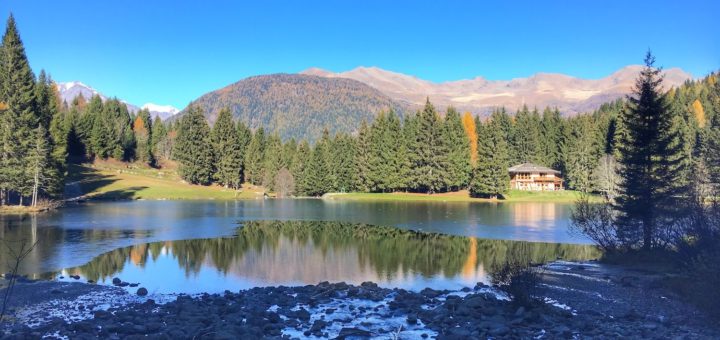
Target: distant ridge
{"x": 299, "y": 106}
{"x": 479, "y": 95}
{"x": 70, "y": 90}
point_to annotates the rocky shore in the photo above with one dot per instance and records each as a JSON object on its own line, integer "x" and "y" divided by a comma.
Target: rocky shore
{"x": 580, "y": 301}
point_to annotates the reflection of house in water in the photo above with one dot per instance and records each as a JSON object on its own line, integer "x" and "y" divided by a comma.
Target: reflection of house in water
{"x": 535, "y": 215}
{"x": 531, "y": 177}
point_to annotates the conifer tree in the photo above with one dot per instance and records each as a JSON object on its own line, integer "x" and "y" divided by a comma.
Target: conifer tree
{"x": 428, "y": 152}
{"x": 19, "y": 114}
{"x": 583, "y": 153}
{"x": 649, "y": 161}
{"x": 300, "y": 168}
{"x": 228, "y": 155}
{"x": 254, "y": 158}
{"x": 194, "y": 148}
{"x": 552, "y": 140}
{"x": 272, "y": 161}
{"x": 244, "y": 136}
{"x": 160, "y": 145}
{"x": 454, "y": 136}
{"x": 526, "y": 136}
{"x": 362, "y": 158}
{"x": 39, "y": 167}
{"x": 344, "y": 162}
{"x": 490, "y": 177}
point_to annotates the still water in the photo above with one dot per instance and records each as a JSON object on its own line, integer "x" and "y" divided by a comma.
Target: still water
{"x": 271, "y": 253}
{"x": 73, "y": 236}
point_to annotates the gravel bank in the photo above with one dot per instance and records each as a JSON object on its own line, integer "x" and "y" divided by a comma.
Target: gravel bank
{"x": 582, "y": 301}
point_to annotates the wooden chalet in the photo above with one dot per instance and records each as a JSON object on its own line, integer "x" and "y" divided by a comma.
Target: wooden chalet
{"x": 532, "y": 177}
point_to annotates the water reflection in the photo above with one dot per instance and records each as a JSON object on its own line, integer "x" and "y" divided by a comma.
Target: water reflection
{"x": 301, "y": 252}
{"x": 75, "y": 235}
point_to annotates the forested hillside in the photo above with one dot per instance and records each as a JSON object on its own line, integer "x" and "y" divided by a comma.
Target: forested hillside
{"x": 297, "y": 106}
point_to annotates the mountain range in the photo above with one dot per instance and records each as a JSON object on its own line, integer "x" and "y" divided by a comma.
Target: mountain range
{"x": 303, "y": 105}
{"x": 69, "y": 90}
{"x": 479, "y": 95}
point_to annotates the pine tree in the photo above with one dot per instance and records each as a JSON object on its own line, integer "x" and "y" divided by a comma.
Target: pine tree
{"x": 428, "y": 152}
{"x": 227, "y": 151}
{"x": 526, "y": 136}
{"x": 20, "y": 118}
{"x": 459, "y": 165}
{"x": 254, "y": 158}
{"x": 39, "y": 164}
{"x": 362, "y": 158}
{"x": 244, "y": 136}
{"x": 552, "y": 141}
{"x": 194, "y": 148}
{"x": 272, "y": 161}
{"x": 160, "y": 145}
{"x": 649, "y": 161}
{"x": 345, "y": 162}
{"x": 583, "y": 153}
{"x": 490, "y": 177}
{"x": 300, "y": 168}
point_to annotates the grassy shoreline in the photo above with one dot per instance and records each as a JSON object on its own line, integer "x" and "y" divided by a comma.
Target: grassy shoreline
{"x": 566, "y": 196}
{"x": 113, "y": 180}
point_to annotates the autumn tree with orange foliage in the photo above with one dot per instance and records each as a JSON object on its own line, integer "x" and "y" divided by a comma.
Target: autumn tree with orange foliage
{"x": 471, "y": 132}
{"x": 142, "y": 127}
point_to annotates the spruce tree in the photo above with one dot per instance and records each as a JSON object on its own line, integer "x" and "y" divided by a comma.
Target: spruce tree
{"x": 362, "y": 158}
{"x": 228, "y": 155}
{"x": 490, "y": 177}
{"x": 254, "y": 158}
{"x": 649, "y": 161}
{"x": 459, "y": 163}
{"x": 20, "y": 117}
{"x": 526, "y": 136}
{"x": 428, "y": 152}
{"x": 160, "y": 144}
{"x": 272, "y": 161}
{"x": 552, "y": 140}
{"x": 194, "y": 148}
{"x": 583, "y": 153}
{"x": 300, "y": 168}
{"x": 244, "y": 136}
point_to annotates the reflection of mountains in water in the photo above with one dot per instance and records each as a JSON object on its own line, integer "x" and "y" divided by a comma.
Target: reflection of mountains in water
{"x": 301, "y": 251}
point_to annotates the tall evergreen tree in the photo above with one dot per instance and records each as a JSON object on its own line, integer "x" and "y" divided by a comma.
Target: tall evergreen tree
{"x": 254, "y": 158}
{"x": 649, "y": 160}
{"x": 526, "y": 136}
{"x": 490, "y": 177}
{"x": 552, "y": 141}
{"x": 272, "y": 162}
{"x": 428, "y": 151}
{"x": 194, "y": 148}
{"x": 459, "y": 165}
{"x": 244, "y": 136}
{"x": 228, "y": 155}
{"x": 362, "y": 158}
{"x": 19, "y": 115}
{"x": 300, "y": 169}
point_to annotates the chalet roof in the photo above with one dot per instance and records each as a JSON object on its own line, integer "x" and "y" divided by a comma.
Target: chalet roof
{"x": 529, "y": 167}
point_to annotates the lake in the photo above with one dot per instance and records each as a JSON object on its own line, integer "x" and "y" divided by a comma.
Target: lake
{"x": 118, "y": 238}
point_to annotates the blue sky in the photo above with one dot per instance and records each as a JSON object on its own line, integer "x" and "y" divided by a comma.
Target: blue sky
{"x": 170, "y": 52}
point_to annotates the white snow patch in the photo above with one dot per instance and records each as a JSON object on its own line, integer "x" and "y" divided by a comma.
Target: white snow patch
{"x": 161, "y": 108}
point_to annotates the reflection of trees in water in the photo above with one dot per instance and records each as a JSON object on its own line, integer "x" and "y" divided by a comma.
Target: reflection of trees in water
{"x": 16, "y": 228}
{"x": 388, "y": 251}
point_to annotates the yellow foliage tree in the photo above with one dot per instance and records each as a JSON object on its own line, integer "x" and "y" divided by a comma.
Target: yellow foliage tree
{"x": 699, "y": 113}
{"x": 471, "y": 131}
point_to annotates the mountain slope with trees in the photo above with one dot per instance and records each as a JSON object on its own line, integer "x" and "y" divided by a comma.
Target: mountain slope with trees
{"x": 297, "y": 106}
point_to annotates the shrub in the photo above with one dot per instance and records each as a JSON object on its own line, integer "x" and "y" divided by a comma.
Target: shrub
{"x": 518, "y": 279}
